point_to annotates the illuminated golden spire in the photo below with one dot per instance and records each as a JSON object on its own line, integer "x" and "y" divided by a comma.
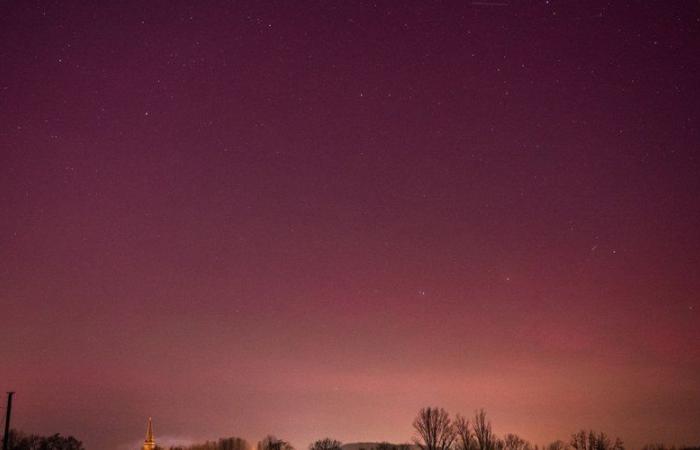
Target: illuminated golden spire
{"x": 149, "y": 443}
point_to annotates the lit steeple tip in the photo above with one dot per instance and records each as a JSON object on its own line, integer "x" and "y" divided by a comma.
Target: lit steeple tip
{"x": 150, "y": 442}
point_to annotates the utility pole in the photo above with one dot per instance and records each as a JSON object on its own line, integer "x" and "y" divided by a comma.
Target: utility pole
{"x": 6, "y": 438}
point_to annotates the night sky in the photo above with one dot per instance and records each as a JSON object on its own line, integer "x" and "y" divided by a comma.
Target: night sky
{"x": 315, "y": 218}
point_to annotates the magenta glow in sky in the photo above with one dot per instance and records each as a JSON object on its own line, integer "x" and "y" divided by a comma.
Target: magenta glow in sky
{"x": 314, "y": 218}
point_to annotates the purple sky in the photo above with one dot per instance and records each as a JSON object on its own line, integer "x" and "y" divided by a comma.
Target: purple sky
{"x": 314, "y": 218}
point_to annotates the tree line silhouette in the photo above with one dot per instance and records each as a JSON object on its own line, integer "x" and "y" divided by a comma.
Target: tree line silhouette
{"x": 21, "y": 441}
{"x": 434, "y": 430}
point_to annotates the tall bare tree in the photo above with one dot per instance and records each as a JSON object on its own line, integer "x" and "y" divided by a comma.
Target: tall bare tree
{"x": 434, "y": 429}
{"x": 485, "y": 438}
{"x": 465, "y": 439}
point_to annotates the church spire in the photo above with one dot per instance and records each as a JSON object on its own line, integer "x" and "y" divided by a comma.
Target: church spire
{"x": 149, "y": 443}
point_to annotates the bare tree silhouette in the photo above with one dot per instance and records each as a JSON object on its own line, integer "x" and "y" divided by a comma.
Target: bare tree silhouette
{"x": 326, "y": 444}
{"x": 515, "y": 442}
{"x": 434, "y": 428}
{"x": 465, "y": 437}
{"x": 558, "y": 445}
{"x": 655, "y": 446}
{"x": 389, "y": 446}
{"x": 384, "y": 446}
{"x": 270, "y": 442}
{"x": 20, "y": 441}
{"x": 593, "y": 441}
{"x": 231, "y": 443}
{"x": 485, "y": 438}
